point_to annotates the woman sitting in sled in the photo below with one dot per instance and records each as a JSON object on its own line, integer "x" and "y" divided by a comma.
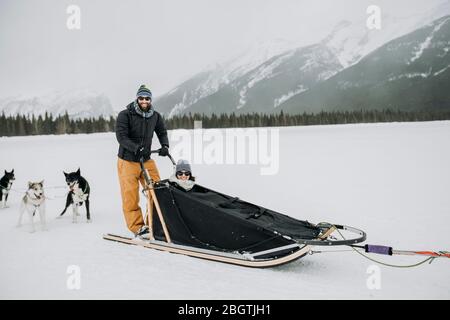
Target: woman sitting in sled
{"x": 183, "y": 175}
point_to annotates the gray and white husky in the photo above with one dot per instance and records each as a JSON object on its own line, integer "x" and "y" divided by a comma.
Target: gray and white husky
{"x": 32, "y": 201}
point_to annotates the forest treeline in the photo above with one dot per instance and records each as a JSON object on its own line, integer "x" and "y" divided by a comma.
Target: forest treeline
{"x": 21, "y": 125}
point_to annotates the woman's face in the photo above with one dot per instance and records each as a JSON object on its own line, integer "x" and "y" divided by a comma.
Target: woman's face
{"x": 183, "y": 175}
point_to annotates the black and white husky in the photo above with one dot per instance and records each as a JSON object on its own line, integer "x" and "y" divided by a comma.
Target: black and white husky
{"x": 32, "y": 201}
{"x": 5, "y": 186}
{"x": 79, "y": 192}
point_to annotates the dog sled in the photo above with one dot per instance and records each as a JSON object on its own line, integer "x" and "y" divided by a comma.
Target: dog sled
{"x": 207, "y": 224}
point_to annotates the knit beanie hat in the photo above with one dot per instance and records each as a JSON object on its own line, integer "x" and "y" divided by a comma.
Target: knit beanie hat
{"x": 143, "y": 91}
{"x": 183, "y": 165}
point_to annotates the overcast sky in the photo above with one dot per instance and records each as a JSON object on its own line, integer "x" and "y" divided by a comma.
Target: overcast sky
{"x": 122, "y": 44}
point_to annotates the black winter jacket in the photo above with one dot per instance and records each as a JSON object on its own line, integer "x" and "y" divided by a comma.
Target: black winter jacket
{"x": 133, "y": 131}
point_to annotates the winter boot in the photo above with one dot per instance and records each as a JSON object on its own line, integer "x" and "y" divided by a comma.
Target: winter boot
{"x": 143, "y": 233}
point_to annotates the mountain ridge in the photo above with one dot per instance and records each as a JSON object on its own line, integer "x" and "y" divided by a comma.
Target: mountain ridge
{"x": 270, "y": 85}
{"x": 78, "y": 104}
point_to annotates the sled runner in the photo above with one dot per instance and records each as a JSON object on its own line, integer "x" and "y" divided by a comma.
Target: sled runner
{"x": 207, "y": 224}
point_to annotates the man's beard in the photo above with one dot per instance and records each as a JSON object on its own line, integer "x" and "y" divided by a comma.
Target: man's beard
{"x": 145, "y": 108}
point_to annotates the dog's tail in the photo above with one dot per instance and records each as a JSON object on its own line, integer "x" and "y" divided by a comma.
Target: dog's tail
{"x": 64, "y": 211}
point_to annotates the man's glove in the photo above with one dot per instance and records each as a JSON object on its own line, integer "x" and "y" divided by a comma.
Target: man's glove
{"x": 164, "y": 151}
{"x": 142, "y": 153}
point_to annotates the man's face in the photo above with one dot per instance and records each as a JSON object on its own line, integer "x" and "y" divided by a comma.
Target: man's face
{"x": 144, "y": 103}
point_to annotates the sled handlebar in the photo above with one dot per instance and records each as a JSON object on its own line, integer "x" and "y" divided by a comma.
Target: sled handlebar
{"x": 141, "y": 160}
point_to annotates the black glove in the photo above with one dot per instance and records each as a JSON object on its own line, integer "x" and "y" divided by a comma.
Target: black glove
{"x": 164, "y": 151}
{"x": 142, "y": 153}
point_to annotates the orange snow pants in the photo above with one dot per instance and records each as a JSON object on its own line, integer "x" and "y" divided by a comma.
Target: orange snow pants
{"x": 129, "y": 178}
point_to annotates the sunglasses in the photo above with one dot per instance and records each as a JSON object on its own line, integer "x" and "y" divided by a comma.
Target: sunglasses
{"x": 185, "y": 173}
{"x": 144, "y": 98}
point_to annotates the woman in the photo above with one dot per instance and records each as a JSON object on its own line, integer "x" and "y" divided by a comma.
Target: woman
{"x": 183, "y": 175}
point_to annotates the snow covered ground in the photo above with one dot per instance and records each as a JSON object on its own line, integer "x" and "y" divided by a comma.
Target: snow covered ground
{"x": 391, "y": 180}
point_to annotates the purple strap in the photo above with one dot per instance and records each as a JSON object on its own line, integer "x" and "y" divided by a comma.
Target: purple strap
{"x": 378, "y": 249}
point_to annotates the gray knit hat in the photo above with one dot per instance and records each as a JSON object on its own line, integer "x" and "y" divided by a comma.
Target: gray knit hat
{"x": 183, "y": 165}
{"x": 143, "y": 91}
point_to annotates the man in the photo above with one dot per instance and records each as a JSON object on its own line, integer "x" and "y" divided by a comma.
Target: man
{"x": 134, "y": 131}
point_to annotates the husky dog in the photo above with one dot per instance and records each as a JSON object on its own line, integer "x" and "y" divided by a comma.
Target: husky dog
{"x": 79, "y": 192}
{"x": 5, "y": 185}
{"x": 34, "y": 200}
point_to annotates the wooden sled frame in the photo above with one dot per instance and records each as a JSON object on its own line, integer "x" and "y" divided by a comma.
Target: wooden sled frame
{"x": 246, "y": 260}
{"x": 297, "y": 250}
{"x": 225, "y": 257}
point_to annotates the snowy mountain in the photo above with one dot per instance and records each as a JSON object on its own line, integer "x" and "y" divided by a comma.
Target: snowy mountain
{"x": 78, "y": 104}
{"x": 269, "y": 75}
{"x": 409, "y": 73}
{"x": 351, "y": 41}
{"x": 248, "y": 85}
{"x": 262, "y": 88}
{"x": 249, "y": 59}
{"x": 215, "y": 77}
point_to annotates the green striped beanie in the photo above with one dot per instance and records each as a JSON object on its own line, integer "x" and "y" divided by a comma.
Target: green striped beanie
{"x": 143, "y": 91}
